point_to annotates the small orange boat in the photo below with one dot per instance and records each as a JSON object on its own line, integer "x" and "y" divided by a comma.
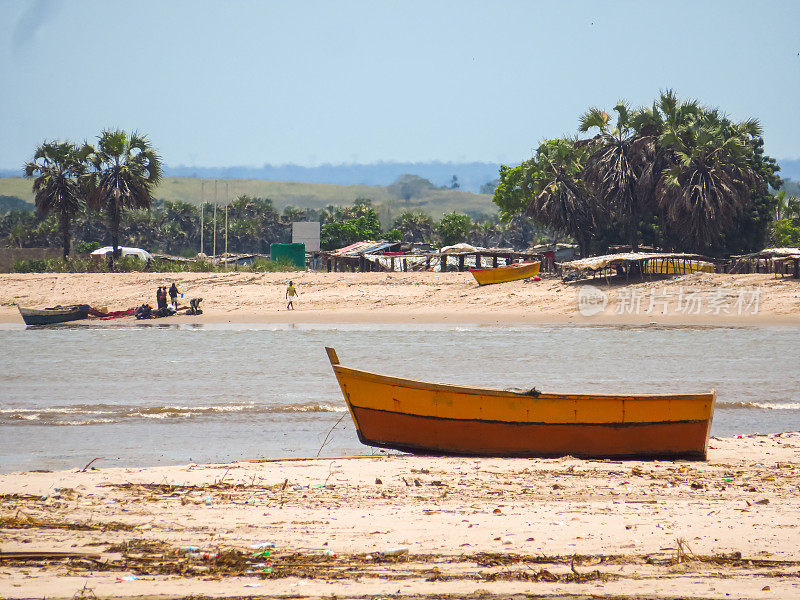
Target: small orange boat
{"x": 511, "y": 272}
{"x": 434, "y": 418}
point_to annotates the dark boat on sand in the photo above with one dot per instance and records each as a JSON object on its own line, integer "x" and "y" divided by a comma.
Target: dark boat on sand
{"x": 54, "y": 315}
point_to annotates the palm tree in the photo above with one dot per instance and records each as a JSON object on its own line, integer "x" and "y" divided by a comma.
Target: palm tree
{"x": 611, "y": 169}
{"x": 651, "y": 158}
{"x": 127, "y": 168}
{"x": 415, "y": 225}
{"x": 711, "y": 180}
{"x": 558, "y": 197}
{"x": 60, "y": 169}
{"x": 786, "y": 207}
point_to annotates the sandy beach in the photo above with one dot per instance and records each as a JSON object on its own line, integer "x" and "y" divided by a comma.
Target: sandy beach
{"x": 699, "y": 298}
{"x": 393, "y": 525}
{"x": 557, "y": 527}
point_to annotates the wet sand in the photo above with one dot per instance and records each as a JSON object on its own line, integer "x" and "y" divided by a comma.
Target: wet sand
{"x": 469, "y": 525}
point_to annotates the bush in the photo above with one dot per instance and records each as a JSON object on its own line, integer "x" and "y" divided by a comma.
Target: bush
{"x": 128, "y": 264}
{"x": 30, "y": 266}
{"x": 82, "y": 247}
{"x": 785, "y": 234}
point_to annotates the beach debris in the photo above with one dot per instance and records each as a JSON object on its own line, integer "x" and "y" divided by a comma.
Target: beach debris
{"x": 23, "y": 521}
{"x": 127, "y": 578}
{"x": 89, "y": 464}
{"x": 44, "y": 555}
{"x": 378, "y": 481}
{"x": 85, "y": 593}
{"x": 262, "y": 545}
{"x": 204, "y": 555}
{"x": 396, "y": 551}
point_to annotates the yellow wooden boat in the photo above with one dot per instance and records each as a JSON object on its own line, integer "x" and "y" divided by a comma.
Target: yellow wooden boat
{"x": 415, "y": 416}
{"x": 511, "y": 272}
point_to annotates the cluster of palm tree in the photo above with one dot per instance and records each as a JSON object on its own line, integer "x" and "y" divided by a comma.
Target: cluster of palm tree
{"x": 166, "y": 227}
{"x": 116, "y": 175}
{"x": 677, "y": 173}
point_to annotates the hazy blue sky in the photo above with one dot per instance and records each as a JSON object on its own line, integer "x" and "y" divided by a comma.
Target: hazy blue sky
{"x": 248, "y": 83}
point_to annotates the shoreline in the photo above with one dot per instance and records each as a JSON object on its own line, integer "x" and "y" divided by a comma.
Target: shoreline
{"x": 463, "y": 526}
{"x": 426, "y": 298}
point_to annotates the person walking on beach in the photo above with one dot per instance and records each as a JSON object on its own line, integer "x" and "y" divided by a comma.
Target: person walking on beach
{"x": 173, "y": 295}
{"x": 161, "y": 297}
{"x": 291, "y": 293}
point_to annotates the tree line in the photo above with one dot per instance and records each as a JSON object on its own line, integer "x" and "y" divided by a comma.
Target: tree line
{"x": 75, "y": 184}
{"x": 675, "y": 175}
{"x": 254, "y": 223}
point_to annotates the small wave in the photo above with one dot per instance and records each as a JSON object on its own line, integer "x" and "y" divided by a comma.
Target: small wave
{"x": 26, "y": 416}
{"x": 312, "y": 408}
{"x": 761, "y": 405}
{"x": 161, "y": 411}
{"x": 85, "y": 422}
{"x": 98, "y": 414}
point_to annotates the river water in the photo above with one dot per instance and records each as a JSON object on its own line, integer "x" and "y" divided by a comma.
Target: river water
{"x": 167, "y": 394}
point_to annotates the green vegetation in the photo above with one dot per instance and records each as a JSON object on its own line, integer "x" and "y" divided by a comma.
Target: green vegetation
{"x": 9, "y": 203}
{"x": 454, "y": 228}
{"x": 786, "y": 230}
{"x": 126, "y": 169}
{"x": 344, "y": 226}
{"x": 127, "y": 264}
{"x": 676, "y": 175}
{"x": 59, "y": 168}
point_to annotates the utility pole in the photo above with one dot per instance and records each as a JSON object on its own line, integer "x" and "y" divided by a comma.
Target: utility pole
{"x": 215, "y": 218}
{"x": 202, "y": 207}
{"x": 226, "y": 224}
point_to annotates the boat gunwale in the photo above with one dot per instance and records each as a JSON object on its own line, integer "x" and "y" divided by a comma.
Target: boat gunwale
{"x": 483, "y": 391}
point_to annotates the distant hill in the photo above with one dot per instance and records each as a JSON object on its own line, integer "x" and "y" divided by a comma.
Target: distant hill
{"x": 471, "y": 176}
{"x": 9, "y": 203}
{"x": 303, "y": 195}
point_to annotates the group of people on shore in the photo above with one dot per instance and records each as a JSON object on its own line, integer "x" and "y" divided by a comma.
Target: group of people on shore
{"x": 161, "y": 298}
{"x": 166, "y": 308}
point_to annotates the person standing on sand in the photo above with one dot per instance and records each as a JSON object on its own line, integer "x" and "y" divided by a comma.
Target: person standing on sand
{"x": 173, "y": 294}
{"x": 291, "y": 293}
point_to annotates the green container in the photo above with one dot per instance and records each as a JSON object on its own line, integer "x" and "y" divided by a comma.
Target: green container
{"x": 293, "y": 253}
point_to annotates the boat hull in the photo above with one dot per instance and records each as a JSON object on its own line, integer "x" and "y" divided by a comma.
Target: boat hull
{"x": 415, "y": 416}
{"x": 53, "y": 316}
{"x": 429, "y": 435}
{"x": 511, "y": 272}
